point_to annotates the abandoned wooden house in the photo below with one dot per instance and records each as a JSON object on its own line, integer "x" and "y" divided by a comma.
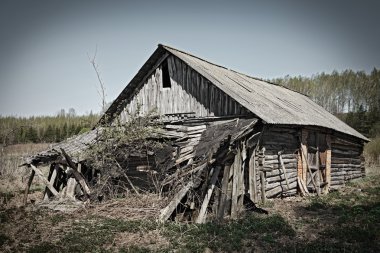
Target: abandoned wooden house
{"x": 235, "y": 139}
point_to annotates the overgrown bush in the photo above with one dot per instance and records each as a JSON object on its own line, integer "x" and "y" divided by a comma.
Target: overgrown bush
{"x": 109, "y": 156}
{"x": 372, "y": 151}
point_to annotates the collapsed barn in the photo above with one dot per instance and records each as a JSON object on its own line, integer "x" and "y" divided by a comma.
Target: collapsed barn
{"x": 230, "y": 140}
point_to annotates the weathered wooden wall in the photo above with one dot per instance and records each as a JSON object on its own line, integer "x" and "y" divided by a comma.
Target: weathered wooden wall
{"x": 277, "y": 144}
{"x": 189, "y": 92}
{"x": 347, "y": 161}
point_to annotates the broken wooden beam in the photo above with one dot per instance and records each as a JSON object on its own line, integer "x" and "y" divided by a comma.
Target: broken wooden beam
{"x": 27, "y": 186}
{"x": 202, "y": 213}
{"x": 44, "y": 180}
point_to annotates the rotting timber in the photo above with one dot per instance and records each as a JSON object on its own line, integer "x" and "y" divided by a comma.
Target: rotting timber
{"x": 214, "y": 167}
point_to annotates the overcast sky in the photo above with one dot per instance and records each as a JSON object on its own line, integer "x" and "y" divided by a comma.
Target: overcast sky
{"x": 44, "y": 45}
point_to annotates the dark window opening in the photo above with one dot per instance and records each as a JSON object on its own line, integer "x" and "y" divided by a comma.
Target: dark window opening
{"x": 165, "y": 75}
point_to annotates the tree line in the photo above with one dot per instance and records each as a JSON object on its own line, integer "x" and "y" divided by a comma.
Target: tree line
{"x": 352, "y": 96}
{"x": 48, "y": 129}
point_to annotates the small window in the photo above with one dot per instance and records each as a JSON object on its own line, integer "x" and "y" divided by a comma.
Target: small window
{"x": 165, "y": 75}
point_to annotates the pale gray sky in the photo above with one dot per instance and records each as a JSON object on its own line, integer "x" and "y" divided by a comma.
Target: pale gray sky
{"x": 44, "y": 44}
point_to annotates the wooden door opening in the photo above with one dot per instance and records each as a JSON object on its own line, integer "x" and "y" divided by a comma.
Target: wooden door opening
{"x": 315, "y": 152}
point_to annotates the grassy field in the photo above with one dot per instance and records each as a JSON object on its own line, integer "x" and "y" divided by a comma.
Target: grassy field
{"x": 343, "y": 221}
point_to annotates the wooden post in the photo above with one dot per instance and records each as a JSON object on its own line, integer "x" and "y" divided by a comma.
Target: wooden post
{"x": 304, "y": 154}
{"x": 252, "y": 177}
{"x": 27, "y": 186}
{"x": 318, "y": 184}
{"x": 235, "y": 184}
{"x": 202, "y": 213}
{"x": 241, "y": 189}
{"x": 328, "y": 164}
{"x": 70, "y": 189}
{"x": 223, "y": 197}
{"x": 299, "y": 164}
{"x": 262, "y": 181}
{"x": 229, "y": 190}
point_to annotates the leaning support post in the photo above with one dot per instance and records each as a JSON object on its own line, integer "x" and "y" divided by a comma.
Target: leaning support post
{"x": 202, "y": 213}
{"x": 283, "y": 169}
{"x": 27, "y": 186}
{"x": 168, "y": 210}
{"x": 52, "y": 180}
{"x": 44, "y": 180}
{"x": 223, "y": 197}
{"x": 78, "y": 176}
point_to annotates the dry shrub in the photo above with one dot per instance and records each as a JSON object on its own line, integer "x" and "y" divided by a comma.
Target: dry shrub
{"x": 13, "y": 177}
{"x": 372, "y": 156}
{"x": 110, "y": 155}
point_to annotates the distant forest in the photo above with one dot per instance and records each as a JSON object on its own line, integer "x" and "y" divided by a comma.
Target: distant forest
{"x": 352, "y": 96}
{"x": 49, "y": 129}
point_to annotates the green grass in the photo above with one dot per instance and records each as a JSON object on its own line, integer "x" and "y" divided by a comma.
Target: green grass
{"x": 229, "y": 236}
{"x": 357, "y": 219}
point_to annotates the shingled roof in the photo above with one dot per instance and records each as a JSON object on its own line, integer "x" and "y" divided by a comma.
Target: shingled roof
{"x": 274, "y": 104}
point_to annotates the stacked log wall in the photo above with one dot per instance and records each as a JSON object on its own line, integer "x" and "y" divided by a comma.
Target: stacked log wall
{"x": 276, "y": 142}
{"x": 347, "y": 161}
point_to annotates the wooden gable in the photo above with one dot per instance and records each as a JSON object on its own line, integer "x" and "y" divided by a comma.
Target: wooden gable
{"x": 187, "y": 92}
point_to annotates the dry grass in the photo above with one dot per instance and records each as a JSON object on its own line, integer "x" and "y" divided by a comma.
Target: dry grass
{"x": 13, "y": 177}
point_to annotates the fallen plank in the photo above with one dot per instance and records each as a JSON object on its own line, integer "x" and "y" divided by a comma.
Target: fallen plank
{"x": 202, "y": 213}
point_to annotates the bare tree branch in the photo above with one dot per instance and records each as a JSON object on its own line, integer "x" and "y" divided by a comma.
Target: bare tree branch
{"x": 102, "y": 90}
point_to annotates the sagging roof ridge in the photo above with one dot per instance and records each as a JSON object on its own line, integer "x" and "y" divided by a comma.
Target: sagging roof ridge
{"x": 220, "y": 66}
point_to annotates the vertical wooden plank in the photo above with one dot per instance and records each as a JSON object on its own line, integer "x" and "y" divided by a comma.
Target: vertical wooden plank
{"x": 235, "y": 184}
{"x": 304, "y": 154}
{"x": 70, "y": 189}
{"x": 241, "y": 176}
{"x": 224, "y": 193}
{"x": 318, "y": 184}
{"x": 299, "y": 165}
{"x": 328, "y": 164}
{"x": 262, "y": 181}
{"x": 229, "y": 190}
{"x": 252, "y": 177}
